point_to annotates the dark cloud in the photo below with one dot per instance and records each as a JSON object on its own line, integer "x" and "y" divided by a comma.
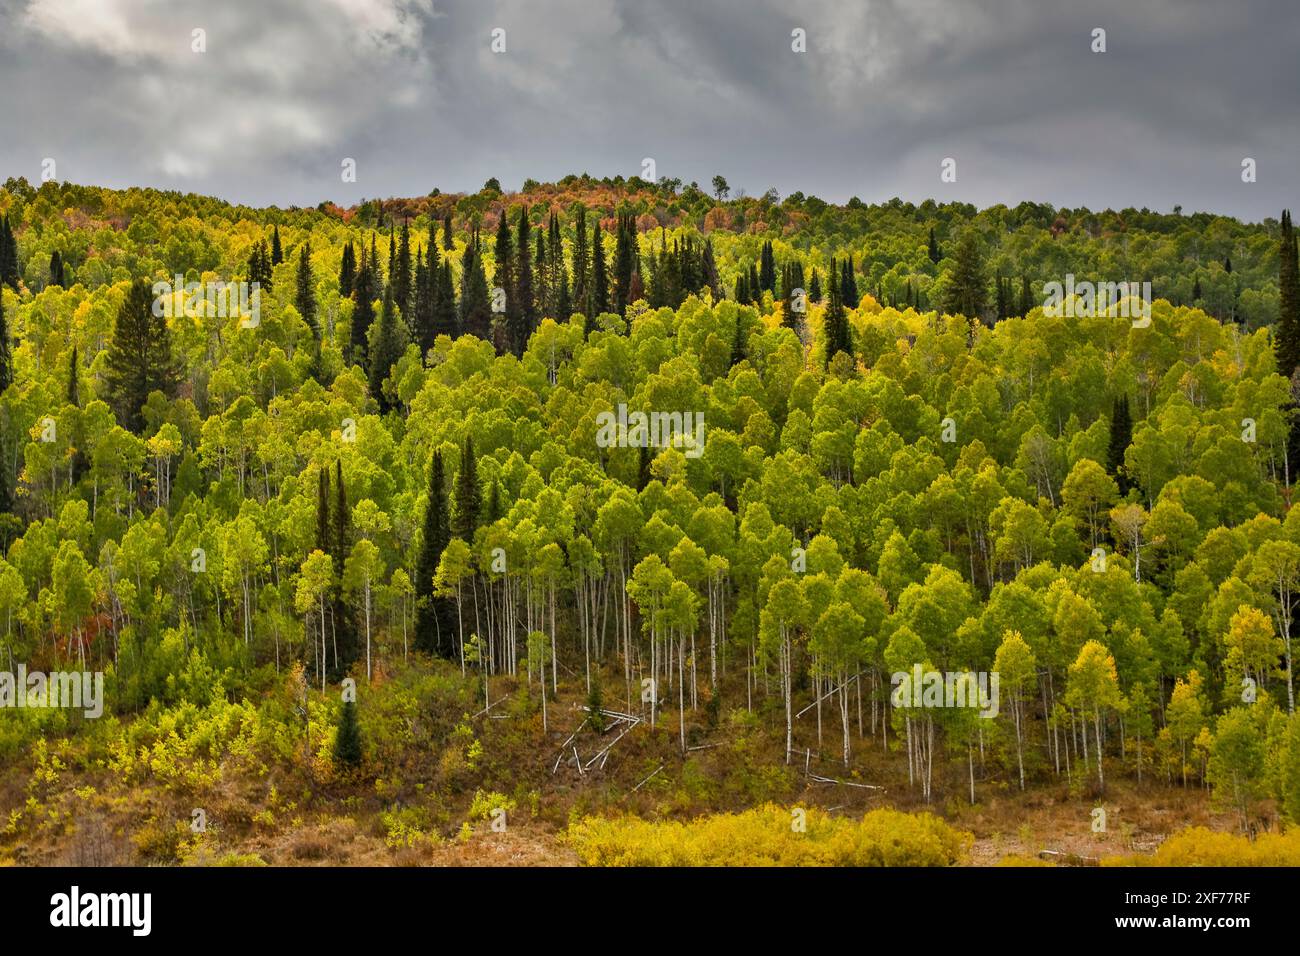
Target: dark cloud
{"x": 411, "y": 90}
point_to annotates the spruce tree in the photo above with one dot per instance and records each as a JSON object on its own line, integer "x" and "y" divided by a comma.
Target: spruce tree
{"x": 305, "y": 299}
{"x": 363, "y": 310}
{"x": 1121, "y": 436}
{"x": 709, "y": 271}
{"x": 469, "y": 500}
{"x": 421, "y": 318}
{"x": 347, "y": 270}
{"x": 346, "y": 632}
{"x": 815, "y": 288}
{"x": 447, "y": 243}
{"x": 401, "y": 277}
{"x": 849, "y": 296}
{"x": 581, "y": 261}
{"x": 835, "y": 322}
{"x": 348, "y": 750}
{"x": 1026, "y": 297}
{"x": 433, "y": 630}
{"x": 1286, "y": 341}
{"x": 933, "y": 250}
{"x": 56, "y": 269}
{"x": 527, "y": 309}
{"x": 386, "y": 348}
{"x": 444, "y": 316}
{"x": 475, "y": 307}
{"x": 504, "y": 279}
{"x": 767, "y": 268}
{"x": 324, "y": 539}
{"x": 277, "y": 253}
{"x": 967, "y": 293}
{"x": 140, "y": 357}
{"x": 8, "y": 255}
{"x": 599, "y": 275}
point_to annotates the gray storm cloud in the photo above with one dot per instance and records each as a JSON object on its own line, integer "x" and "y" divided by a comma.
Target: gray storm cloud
{"x": 410, "y": 89}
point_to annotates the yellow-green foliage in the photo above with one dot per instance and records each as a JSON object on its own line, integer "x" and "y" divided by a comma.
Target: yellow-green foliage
{"x": 1198, "y": 846}
{"x": 767, "y": 836}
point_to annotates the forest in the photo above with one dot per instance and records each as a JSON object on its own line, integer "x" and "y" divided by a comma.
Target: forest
{"x": 331, "y": 500}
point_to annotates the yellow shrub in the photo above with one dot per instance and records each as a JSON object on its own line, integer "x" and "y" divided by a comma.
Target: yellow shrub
{"x": 768, "y": 836}
{"x": 1199, "y": 846}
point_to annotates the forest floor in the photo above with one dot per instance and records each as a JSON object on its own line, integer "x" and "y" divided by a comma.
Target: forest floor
{"x": 430, "y": 805}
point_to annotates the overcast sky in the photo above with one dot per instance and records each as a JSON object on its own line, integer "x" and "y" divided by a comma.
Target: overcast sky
{"x": 411, "y": 89}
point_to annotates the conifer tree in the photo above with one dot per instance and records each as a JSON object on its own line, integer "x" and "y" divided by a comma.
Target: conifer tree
{"x": 475, "y": 308}
{"x": 140, "y": 357}
{"x": 447, "y": 243}
{"x": 401, "y": 273}
{"x": 581, "y": 260}
{"x": 277, "y": 253}
{"x": 1286, "y": 337}
{"x": 347, "y": 270}
{"x": 346, "y": 634}
{"x": 835, "y": 322}
{"x": 526, "y": 314}
{"x": 385, "y": 350}
{"x": 599, "y": 275}
{"x": 504, "y": 279}
{"x": 444, "y": 315}
{"x": 815, "y": 288}
{"x": 56, "y": 269}
{"x": 767, "y": 269}
{"x": 469, "y": 500}
{"x": 966, "y": 294}
{"x": 933, "y": 250}
{"x": 433, "y": 622}
{"x": 6, "y": 352}
{"x": 849, "y": 296}
{"x": 8, "y": 255}
{"x": 422, "y": 308}
{"x": 1121, "y": 436}
{"x": 348, "y": 751}
{"x": 305, "y": 299}
{"x": 363, "y": 310}
{"x": 1026, "y": 297}
{"x": 709, "y": 271}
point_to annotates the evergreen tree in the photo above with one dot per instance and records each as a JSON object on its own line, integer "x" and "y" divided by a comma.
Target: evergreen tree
{"x": 1026, "y": 297}
{"x": 140, "y": 357}
{"x": 8, "y": 255}
{"x": 305, "y": 299}
{"x": 815, "y": 288}
{"x": 347, "y": 270}
{"x": 444, "y": 314}
{"x": 1196, "y": 290}
{"x": 599, "y": 275}
{"x": 401, "y": 273}
{"x": 581, "y": 260}
{"x": 767, "y": 269}
{"x": 709, "y": 271}
{"x": 849, "y": 296}
{"x": 363, "y": 310}
{"x": 433, "y": 622}
{"x": 422, "y": 308}
{"x": 967, "y": 293}
{"x": 348, "y": 750}
{"x": 6, "y": 352}
{"x": 542, "y": 275}
{"x": 347, "y": 638}
{"x": 324, "y": 540}
{"x": 447, "y": 244}
{"x": 1286, "y": 337}
{"x": 277, "y": 253}
{"x": 469, "y": 500}
{"x": 74, "y": 387}
{"x": 504, "y": 279}
{"x": 386, "y": 349}
{"x": 1121, "y": 436}
{"x": 526, "y": 314}
{"x": 626, "y": 263}
{"x": 56, "y": 269}
{"x": 835, "y": 322}
{"x": 475, "y": 308}
{"x": 934, "y": 253}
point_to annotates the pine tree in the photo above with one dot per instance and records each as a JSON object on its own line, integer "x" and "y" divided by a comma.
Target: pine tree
{"x": 305, "y": 299}
{"x": 967, "y": 293}
{"x": 815, "y": 288}
{"x": 475, "y": 308}
{"x": 433, "y": 630}
{"x": 56, "y": 269}
{"x": 933, "y": 250}
{"x": 504, "y": 279}
{"x": 849, "y": 296}
{"x": 324, "y": 540}
{"x": 599, "y": 275}
{"x": 709, "y": 271}
{"x": 626, "y": 263}
{"x": 140, "y": 357}
{"x": 8, "y": 255}
{"x": 347, "y": 270}
{"x": 767, "y": 269}
{"x": 835, "y": 322}
{"x": 347, "y": 638}
{"x": 6, "y": 352}
{"x": 363, "y": 310}
{"x": 1121, "y": 436}
{"x": 1026, "y": 297}
{"x": 74, "y": 388}
{"x": 385, "y": 350}
{"x": 447, "y": 244}
{"x": 581, "y": 261}
{"x": 422, "y": 308}
{"x": 1287, "y": 334}
{"x": 348, "y": 751}
{"x": 277, "y": 253}
{"x": 526, "y": 315}
{"x": 469, "y": 501}
{"x": 401, "y": 274}
{"x": 444, "y": 315}
{"x": 1196, "y": 290}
